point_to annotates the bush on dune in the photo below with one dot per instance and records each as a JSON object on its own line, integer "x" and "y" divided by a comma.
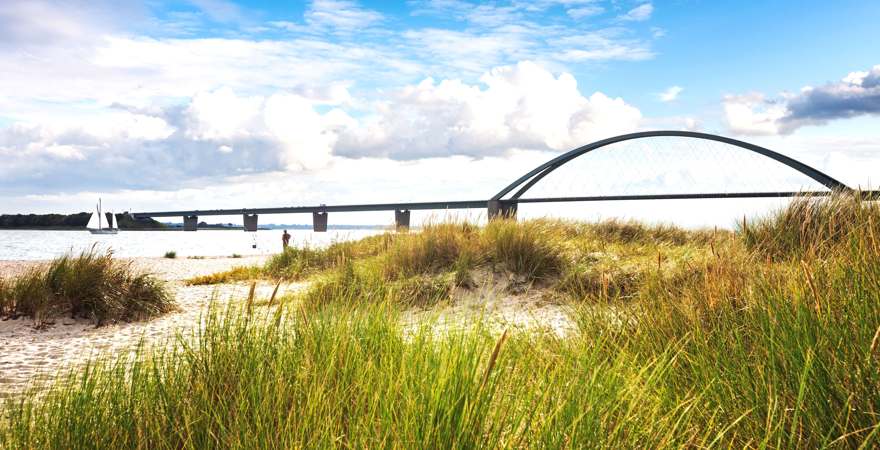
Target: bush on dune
{"x": 421, "y": 269}
{"x": 434, "y": 248}
{"x": 536, "y": 250}
{"x": 90, "y": 285}
{"x": 813, "y": 227}
{"x": 529, "y": 248}
{"x": 612, "y": 230}
{"x": 544, "y": 252}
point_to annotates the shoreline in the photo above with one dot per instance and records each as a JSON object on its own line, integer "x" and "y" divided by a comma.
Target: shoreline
{"x": 279, "y": 228}
{"x": 120, "y": 229}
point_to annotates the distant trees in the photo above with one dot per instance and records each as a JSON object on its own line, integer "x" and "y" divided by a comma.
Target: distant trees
{"x": 78, "y": 220}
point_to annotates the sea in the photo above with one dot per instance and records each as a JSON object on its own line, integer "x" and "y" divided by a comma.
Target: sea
{"x": 48, "y": 244}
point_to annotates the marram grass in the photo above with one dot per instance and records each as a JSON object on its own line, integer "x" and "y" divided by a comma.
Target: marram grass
{"x": 92, "y": 285}
{"x": 719, "y": 344}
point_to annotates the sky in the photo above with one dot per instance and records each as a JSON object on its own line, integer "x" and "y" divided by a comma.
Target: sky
{"x": 198, "y": 104}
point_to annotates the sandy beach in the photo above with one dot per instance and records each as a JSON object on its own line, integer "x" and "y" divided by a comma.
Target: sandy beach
{"x": 27, "y": 354}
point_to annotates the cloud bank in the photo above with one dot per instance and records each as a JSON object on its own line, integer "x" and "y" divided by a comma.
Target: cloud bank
{"x": 857, "y": 94}
{"x": 221, "y": 133}
{"x": 101, "y": 95}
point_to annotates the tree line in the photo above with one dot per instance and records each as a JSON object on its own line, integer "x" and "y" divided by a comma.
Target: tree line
{"x": 78, "y": 220}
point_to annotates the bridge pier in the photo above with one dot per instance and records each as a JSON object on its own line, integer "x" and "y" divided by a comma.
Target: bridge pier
{"x": 501, "y": 209}
{"x": 401, "y": 219}
{"x": 319, "y": 222}
{"x": 250, "y": 222}
{"x": 190, "y": 223}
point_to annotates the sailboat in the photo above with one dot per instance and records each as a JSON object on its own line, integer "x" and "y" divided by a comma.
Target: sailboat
{"x": 96, "y": 223}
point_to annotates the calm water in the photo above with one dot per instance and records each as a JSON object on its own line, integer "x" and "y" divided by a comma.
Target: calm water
{"x": 38, "y": 244}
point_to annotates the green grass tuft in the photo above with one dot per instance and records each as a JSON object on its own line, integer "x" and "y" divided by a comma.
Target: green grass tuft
{"x": 91, "y": 285}
{"x": 812, "y": 227}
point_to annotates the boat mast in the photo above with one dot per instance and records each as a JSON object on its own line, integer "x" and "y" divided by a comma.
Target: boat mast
{"x": 99, "y": 214}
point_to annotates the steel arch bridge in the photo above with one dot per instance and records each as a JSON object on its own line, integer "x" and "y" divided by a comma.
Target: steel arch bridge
{"x": 504, "y": 203}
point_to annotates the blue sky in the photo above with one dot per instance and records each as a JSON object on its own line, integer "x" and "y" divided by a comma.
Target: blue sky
{"x": 216, "y": 103}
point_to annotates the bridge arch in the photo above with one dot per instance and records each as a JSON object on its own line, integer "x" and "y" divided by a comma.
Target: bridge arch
{"x": 525, "y": 182}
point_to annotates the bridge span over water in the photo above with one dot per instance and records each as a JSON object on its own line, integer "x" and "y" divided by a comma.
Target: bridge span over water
{"x": 505, "y": 202}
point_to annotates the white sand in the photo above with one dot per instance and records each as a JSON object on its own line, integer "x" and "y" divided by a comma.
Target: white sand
{"x": 499, "y": 302}
{"x": 26, "y": 354}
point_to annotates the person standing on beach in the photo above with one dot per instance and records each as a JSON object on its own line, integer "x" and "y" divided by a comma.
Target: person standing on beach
{"x": 285, "y": 239}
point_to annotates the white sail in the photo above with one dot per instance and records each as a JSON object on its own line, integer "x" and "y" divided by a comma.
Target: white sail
{"x": 97, "y": 222}
{"x": 93, "y": 222}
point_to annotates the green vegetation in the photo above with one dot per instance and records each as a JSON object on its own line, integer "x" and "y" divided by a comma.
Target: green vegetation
{"x": 171, "y": 254}
{"x": 810, "y": 229}
{"x": 298, "y": 262}
{"x": 78, "y": 220}
{"x": 567, "y": 261}
{"x": 90, "y": 285}
{"x": 768, "y": 337}
{"x": 240, "y": 273}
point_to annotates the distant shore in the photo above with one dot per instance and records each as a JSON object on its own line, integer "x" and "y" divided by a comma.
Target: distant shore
{"x": 121, "y": 229}
{"x": 173, "y": 228}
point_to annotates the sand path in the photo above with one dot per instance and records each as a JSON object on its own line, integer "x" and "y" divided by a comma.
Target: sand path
{"x": 28, "y": 354}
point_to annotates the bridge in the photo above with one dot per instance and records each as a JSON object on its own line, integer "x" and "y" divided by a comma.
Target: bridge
{"x": 505, "y": 202}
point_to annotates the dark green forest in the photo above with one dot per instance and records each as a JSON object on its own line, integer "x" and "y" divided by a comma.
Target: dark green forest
{"x": 78, "y": 220}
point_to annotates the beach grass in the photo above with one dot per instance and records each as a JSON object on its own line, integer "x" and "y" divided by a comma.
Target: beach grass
{"x": 696, "y": 339}
{"x": 92, "y": 285}
{"x": 295, "y": 263}
{"x": 567, "y": 260}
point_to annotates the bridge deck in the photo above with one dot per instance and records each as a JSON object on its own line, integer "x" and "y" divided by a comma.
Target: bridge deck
{"x": 476, "y": 204}
{"x": 465, "y": 204}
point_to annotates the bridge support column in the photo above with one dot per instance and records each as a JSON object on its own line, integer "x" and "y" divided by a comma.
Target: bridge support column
{"x": 319, "y": 221}
{"x": 501, "y": 209}
{"x": 401, "y": 219}
{"x": 250, "y": 222}
{"x": 190, "y": 223}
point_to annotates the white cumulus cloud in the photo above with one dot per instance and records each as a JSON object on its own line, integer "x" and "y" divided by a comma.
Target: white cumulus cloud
{"x": 752, "y": 114}
{"x": 670, "y": 94}
{"x": 521, "y": 106}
